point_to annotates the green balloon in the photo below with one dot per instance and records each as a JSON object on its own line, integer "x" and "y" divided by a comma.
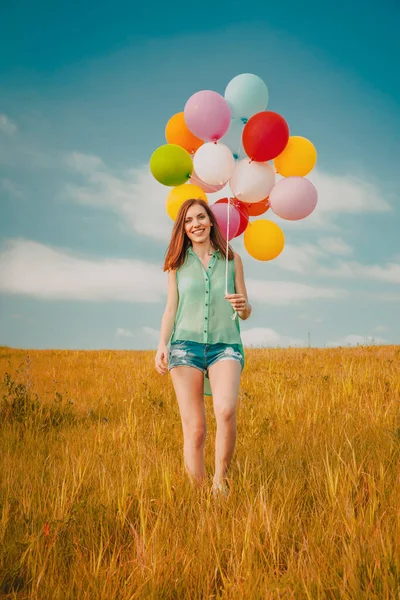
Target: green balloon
{"x": 171, "y": 164}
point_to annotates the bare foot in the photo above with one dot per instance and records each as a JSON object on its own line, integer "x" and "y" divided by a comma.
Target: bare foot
{"x": 220, "y": 489}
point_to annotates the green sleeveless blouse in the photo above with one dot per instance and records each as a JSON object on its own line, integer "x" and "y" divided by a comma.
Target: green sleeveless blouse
{"x": 204, "y": 314}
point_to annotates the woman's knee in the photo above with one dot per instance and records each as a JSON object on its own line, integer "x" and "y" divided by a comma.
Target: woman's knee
{"x": 195, "y": 435}
{"x": 225, "y": 411}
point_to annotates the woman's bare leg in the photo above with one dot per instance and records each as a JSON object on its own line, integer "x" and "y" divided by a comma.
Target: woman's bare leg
{"x": 188, "y": 384}
{"x": 225, "y": 381}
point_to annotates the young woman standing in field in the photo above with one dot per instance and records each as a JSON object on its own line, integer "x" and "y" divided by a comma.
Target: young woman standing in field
{"x": 203, "y": 336}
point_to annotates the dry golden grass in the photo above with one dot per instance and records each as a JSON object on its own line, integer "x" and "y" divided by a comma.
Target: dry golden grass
{"x": 96, "y": 504}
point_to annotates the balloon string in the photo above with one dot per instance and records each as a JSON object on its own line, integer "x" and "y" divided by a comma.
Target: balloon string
{"x": 227, "y": 251}
{"x": 227, "y": 229}
{"x": 240, "y": 144}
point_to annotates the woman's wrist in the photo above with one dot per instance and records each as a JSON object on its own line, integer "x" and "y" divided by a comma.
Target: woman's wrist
{"x": 245, "y": 312}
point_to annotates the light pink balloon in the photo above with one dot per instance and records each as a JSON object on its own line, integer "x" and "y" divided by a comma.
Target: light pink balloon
{"x": 207, "y": 115}
{"x": 293, "y": 198}
{"x": 206, "y": 187}
{"x": 221, "y": 214}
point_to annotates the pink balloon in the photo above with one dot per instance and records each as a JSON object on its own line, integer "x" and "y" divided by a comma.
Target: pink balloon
{"x": 206, "y": 187}
{"x": 221, "y": 214}
{"x": 207, "y": 115}
{"x": 293, "y": 198}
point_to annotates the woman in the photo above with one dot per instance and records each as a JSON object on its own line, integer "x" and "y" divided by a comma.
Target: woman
{"x": 204, "y": 339}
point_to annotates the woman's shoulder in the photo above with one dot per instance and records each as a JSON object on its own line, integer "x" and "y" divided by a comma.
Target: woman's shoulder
{"x": 236, "y": 260}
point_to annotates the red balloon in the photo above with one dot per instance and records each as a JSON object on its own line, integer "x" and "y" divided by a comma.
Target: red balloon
{"x": 243, "y": 211}
{"x": 257, "y": 208}
{"x": 265, "y": 136}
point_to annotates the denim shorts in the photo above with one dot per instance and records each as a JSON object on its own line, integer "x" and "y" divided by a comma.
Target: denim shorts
{"x": 202, "y": 356}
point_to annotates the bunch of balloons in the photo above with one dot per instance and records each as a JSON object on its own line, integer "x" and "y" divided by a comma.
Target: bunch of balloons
{"x": 233, "y": 139}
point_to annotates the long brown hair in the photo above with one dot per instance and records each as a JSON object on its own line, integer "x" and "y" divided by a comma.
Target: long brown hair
{"x": 176, "y": 252}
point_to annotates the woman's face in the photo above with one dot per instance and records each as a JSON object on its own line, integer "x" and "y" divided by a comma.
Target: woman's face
{"x": 197, "y": 224}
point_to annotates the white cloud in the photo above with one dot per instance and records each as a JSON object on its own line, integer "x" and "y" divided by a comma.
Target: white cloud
{"x": 383, "y": 296}
{"x": 263, "y": 336}
{"x": 288, "y": 292}
{"x": 133, "y": 194}
{"x": 347, "y": 194}
{"x": 390, "y": 272}
{"x": 307, "y": 258}
{"x": 85, "y": 163}
{"x": 335, "y": 245}
{"x": 33, "y": 269}
{"x": 124, "y": 332}
{"x": 356, "y": 340}
{"x": 299, "y": 259}
{"x": 151, "y": 332}
{"x": 7, "y": 126}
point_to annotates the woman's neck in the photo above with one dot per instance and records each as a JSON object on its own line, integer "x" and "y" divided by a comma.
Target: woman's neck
{"x": 203, "y": 250}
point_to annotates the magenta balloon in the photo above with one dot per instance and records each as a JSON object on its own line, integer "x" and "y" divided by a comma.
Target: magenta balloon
{"x": 207, "y": 115}
{"x": 293, "y": 198}
{"x": 221, "y": 214}
{"x": 206, "y": 187}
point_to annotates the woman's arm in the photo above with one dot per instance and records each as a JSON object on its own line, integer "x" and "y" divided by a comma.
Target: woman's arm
{"x": 240, "y": 286}
{"x": 168, "y": 318}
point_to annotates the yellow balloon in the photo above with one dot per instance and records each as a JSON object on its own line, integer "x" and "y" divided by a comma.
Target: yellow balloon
{"x": 297, "y": 159}
{"x": 179, "y": 195}
{"x": 263, "y": 240}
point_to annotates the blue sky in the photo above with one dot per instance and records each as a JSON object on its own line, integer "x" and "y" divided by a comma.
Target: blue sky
{"x": 85, "y": 97}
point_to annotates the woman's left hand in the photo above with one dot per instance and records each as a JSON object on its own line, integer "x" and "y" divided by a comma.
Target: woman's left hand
{"x": 238, "y": 301}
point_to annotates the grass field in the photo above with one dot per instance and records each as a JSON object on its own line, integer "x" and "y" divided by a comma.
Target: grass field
{"x": 95, "y": 502}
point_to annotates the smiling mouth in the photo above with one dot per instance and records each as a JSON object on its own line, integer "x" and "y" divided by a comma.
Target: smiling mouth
{"x": 199, "y": 232}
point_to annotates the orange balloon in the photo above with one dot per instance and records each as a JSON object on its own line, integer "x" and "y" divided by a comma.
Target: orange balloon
{"x": 177, "y": 132}
{"x": 257, "y": 208}
{"x": 264, "y": 240}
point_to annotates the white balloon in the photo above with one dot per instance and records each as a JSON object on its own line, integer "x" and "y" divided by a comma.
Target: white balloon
{"x": 214, "y": 163}
{"x": 252, "y": 181}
